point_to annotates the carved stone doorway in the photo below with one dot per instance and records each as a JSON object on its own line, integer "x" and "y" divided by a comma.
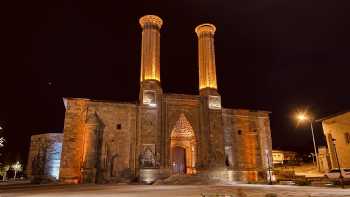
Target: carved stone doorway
{"x": 183, "y": 147}
{"x": 179, "y": 160}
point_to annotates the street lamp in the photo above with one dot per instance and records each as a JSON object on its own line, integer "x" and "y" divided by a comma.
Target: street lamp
{"x": 302, "y": 117}
{"x": 313, "y": 157}
{"x": 16, "y": 167}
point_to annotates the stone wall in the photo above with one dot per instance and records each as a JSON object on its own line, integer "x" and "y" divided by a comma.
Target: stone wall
{"x": 111, "y": 142}
{"x": 98, "y": 142}
{"x": 149, "y": 128}
{"x": 247, "y": 143}
{"x": 73, "y": 140}
{"x": 116, "y": 147}
{"x": 44, "y": 157}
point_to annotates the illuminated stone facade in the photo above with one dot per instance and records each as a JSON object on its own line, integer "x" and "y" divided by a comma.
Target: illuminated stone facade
{"x": 150, "y": 47}
{"x": 164, "y": 134}
{"x": 338, "y": 127}
{"x": 206, "y": 56}
{"x": 44, "y": 157}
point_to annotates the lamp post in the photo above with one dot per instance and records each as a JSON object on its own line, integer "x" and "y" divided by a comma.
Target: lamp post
{"x": 303, "y": 118}
{"x": 313, "y": 158}
{"x": 336, "y": 156}
{"x": 16, "y": 167}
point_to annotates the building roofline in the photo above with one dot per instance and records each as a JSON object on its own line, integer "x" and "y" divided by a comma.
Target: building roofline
{"x": 102, "y": 100}
{"x": 332, "y": 115}
{"x": 247, "y": 110}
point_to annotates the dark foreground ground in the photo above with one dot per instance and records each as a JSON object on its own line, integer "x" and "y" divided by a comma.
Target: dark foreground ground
{"x": 168, "y": 190}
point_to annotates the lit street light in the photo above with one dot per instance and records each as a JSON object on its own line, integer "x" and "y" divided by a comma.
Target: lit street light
{"x": 16, "y": 167}
{"x": 302, "y": 117}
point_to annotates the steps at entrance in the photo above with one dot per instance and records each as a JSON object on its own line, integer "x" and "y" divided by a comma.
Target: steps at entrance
{"x": 188, "y": 180}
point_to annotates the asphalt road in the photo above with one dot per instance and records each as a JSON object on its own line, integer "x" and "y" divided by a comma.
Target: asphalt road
{"x": 248, "y": 190}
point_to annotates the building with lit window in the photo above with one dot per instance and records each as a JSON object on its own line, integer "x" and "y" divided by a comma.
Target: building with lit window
{"x": 284, "y": 157}
{"x": 163, "y": 134}
{"x": 336, "y": 128}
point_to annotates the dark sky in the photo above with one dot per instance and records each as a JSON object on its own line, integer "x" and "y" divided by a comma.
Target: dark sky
{"x": 275, "y": 55}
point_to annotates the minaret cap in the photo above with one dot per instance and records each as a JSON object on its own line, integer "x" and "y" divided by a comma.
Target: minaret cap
{"x": 206, "y": 27}
{"x": 153, "y": 19}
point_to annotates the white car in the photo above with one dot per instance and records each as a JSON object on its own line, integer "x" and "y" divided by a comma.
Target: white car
{"x": 335, "y": 173}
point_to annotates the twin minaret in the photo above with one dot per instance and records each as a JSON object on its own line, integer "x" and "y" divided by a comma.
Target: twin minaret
{"x": 206, "y": 56}
{"x": 150, "y": 55}
{"x": 151, "y": 99}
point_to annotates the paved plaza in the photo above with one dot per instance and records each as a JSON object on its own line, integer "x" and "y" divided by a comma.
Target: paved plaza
{"x": 168, "y": 191}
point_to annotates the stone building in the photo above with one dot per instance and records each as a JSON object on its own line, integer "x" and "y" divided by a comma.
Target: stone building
{"x": 44, "y": 157}
{"x": 336, "y": 128}
{"x": 162, "y": 133}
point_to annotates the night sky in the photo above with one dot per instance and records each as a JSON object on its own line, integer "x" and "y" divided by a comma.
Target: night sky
{"x": 275, "y": 55}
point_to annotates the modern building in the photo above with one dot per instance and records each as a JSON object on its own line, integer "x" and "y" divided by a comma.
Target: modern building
{"x": 163, "y": 134}
{"x": 336, "y": 128}
{"x": 283, "y": 157}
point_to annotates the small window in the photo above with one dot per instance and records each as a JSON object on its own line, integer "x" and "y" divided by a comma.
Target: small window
{"x": 119, "y": 126}
{"x": 239, "y": 132}
{"x": 347, "y": 138}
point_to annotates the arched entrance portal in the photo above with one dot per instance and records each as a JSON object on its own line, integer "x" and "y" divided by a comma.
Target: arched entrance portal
{"x": 183, "y": 147}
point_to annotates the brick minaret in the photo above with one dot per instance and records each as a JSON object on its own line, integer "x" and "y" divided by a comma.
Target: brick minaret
{"x": 211, "y": 113}
{"x": 149, "y": 114}
{"x": 206, "y": 58}
{"x": 150, "y": 57}
{"x": 150, "y": 54}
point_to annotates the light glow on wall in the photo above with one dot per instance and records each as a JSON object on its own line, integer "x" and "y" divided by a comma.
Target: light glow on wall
{"x": 54, "y": 161}
{"x": 206, "y": 56}
{"x": 150, "y": 47}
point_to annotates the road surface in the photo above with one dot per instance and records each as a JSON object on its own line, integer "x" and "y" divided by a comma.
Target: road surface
{"x": 248, "y": 190}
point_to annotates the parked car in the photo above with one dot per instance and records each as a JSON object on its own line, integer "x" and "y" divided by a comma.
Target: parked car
{"x": 335, "y": 173}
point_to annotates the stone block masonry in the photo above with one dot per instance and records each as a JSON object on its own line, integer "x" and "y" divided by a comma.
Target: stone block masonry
{"x": 44, "y": 157}
{"x": 164, "y": 134}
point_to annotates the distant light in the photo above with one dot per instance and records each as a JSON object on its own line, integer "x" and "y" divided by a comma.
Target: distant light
{"x": 2, "y": 141}
{"x": 152, "y": 105}
{"x": 17, "y": 166}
